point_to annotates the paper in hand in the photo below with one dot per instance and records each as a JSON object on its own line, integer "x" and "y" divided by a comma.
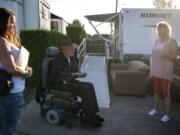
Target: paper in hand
{"x": 23, "y": 57}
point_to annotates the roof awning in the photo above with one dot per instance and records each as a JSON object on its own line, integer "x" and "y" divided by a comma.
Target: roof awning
{"x": 111, "y": 17}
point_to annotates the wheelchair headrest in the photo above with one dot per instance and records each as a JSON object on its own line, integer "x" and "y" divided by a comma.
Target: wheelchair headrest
{"x": 52, "y": 51}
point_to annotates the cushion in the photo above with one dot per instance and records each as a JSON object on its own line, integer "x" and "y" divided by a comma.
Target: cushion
{"x": 138, "y": 66}
{"x": 118, "y": 66}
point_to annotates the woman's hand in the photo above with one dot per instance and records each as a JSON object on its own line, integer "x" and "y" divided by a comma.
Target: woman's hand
{"x": 29, "y": 72}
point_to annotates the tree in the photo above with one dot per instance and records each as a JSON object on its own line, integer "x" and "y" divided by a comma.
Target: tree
{"x": 76, "y": 23}
{"x": 76, "y": 32}
{"x": 164, "y": 3}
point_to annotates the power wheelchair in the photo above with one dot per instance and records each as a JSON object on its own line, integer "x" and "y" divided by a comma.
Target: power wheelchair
{"x": 56, "y": 105}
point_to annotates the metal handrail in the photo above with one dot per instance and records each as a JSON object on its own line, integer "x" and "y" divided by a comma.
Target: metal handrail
{"x": 81, "y": 50}
{"x": 81, "y": 47}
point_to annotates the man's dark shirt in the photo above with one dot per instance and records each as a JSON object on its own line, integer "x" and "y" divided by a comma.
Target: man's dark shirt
{"x": 61, "y": 69}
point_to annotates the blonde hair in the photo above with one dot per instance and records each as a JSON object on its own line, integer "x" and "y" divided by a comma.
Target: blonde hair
{"x": 15, "y": 40}
{"x": 166, "y": 25}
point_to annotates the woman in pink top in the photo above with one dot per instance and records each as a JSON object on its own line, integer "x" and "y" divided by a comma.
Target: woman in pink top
{"x": 161, "y": 67}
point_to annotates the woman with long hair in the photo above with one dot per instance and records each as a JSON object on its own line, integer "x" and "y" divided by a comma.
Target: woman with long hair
{"x": 11, "y": 103}
{"x": 161, "y": 67}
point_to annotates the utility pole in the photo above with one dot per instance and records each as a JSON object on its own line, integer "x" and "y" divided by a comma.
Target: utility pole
{"x": 116, "y": 6}
{"x": 115, "y": 33}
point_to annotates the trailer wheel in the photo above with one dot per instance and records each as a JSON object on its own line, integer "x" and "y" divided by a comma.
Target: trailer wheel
{"x": 53, "y": 117}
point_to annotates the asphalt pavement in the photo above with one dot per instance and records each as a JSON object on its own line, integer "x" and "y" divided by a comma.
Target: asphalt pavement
{"x": 126, "y": 116}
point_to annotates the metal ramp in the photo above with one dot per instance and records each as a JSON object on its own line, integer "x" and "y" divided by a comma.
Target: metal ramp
{"x": 96, "y": 69}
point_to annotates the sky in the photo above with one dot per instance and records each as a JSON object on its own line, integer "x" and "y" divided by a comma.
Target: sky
{"x": 77, "y": 9}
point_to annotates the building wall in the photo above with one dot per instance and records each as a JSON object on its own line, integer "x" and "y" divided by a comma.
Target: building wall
{"x": 44, "y": 12}
{"x": 64, "y": 25}
{"x": 29, "y": 13}
{"x": 37, "y": 14}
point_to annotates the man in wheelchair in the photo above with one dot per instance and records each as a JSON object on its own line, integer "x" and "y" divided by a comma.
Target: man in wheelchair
{"x": 65, "y": 70}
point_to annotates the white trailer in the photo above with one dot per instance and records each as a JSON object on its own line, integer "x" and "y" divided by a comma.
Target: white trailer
{"x": 137, "y": 33}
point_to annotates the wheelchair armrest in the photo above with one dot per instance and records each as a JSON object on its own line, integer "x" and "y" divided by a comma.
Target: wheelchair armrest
{"x": 61, "y": 94}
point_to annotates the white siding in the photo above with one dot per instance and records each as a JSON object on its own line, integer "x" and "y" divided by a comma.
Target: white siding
{"x": 31, "y": 14}
{"x": 64, "y": 25}
{"x": 44, "y": 12}
{"x": 28, "y": 13}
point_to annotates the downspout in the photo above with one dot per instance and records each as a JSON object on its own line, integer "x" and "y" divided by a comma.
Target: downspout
{"x": 39, "y": 1}
{"x": 24, "y": 12}
{"x": 116, "y": 31}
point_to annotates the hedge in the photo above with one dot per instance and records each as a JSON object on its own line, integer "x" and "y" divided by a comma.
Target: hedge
{"x": 36, "y": 42}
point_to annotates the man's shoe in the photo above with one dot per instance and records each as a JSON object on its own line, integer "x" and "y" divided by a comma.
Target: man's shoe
{"x": 99, "y": 118}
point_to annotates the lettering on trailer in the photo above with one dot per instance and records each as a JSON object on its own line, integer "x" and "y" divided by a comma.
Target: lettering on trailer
{"x": 156, "y": 15}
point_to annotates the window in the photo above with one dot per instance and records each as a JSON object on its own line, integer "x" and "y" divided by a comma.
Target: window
{"x": 54, "y": 26}
{"x": 45, "y": 11}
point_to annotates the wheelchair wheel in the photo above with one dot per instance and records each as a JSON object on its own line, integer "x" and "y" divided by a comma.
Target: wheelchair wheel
{"x": 53, "y": 117}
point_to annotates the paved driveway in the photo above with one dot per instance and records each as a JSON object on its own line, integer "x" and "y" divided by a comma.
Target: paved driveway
{"x": 126, "y": 116}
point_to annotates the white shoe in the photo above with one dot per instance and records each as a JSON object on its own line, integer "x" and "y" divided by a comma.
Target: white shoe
{"x": 165, "y": 118}
{"x": 153, "y": 112}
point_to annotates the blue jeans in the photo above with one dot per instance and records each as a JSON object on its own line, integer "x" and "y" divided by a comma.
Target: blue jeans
{"x": 10, "y": 110}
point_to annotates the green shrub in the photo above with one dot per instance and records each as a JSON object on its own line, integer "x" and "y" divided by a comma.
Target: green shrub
{"x": 76, "y": 34}
{"x": 36, "y": 42}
